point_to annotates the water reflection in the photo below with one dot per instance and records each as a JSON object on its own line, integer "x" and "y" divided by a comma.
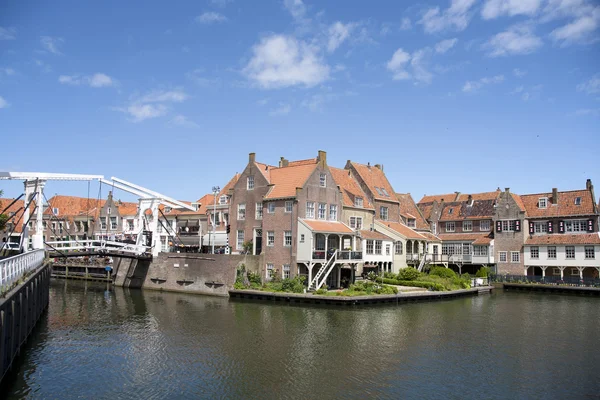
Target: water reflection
{"x": 102, "y": 342}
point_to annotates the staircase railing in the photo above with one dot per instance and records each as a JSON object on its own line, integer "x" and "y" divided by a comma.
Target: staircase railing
{"x": 421, "y": 264}
{"x": 13, "y": 268}
{"x": 324, "y": 270}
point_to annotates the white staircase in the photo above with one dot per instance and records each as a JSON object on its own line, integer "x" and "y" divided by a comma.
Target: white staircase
{"x": 323, "y": 272}
{"x": 422, "y": 263}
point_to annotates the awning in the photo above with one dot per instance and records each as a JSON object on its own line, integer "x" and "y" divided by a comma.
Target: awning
{"x": 219, "y": 238}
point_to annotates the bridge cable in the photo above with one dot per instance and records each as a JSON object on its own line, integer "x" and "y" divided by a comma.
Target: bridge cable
{"x": 59, "y": 221}
{"x": 13, "y": 202}
{"x": 21, "y": 217}
{"x": 175, "y": 230}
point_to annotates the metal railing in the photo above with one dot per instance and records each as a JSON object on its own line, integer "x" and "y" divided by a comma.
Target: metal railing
{"x": 86, "y": 245}
{"x": 349, "y": 255}
{"x": 13, "y": 268}
{"x": 547, "y": 280}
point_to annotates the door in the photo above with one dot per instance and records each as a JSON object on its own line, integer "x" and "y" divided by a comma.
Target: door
{"x": 257, "y": 241}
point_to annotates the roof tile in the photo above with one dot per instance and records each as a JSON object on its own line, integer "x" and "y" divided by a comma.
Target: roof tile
{"x": 564, "y": 238}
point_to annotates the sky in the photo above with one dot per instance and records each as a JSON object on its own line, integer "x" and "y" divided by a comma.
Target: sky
{"x": 459, "y": 95}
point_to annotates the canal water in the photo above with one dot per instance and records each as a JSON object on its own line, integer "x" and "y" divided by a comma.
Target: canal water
{"x": 99, "y": 342}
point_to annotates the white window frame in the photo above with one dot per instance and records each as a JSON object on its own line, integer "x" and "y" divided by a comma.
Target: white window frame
{"x": 310, "y": 209}
{"x": 286, "y": 271}
{"x": 450, "y": 224}
{"x": 223, "y": 199}
{"x": 271, "y": 208}
{"x": 540, "y": 227}
{"x": 270, "y": 238}
{"x": 370, "y": 247}
{"x": 384, "y": 215}
{"x": 502, "y": 256}
{"x": 289, "y": 206}
{"x": 323, "y": 180}
{"x": 240, "y": 239}
{"x": 550, "y": 256}
{"x": 269, "y": 270}
{"x": 114, "y": 224}
{"x": 333, "y": 212}
{"x": 241, "y": 212}
{"x": 508, "y": 225}
{"x": 250, "y": 182}
{"x": 103, "y": 224}
{"x": 388, "y": 249}
{"x": 590, "y": 252}
{"x": 543, "y": 202}
{"x": 515, "y": 257}
{"x": 568, "y": 251}
{"x": 356, "y": 225}
{"x": 576, "y": 226}
{"x": 358, "y": 202}
{"x": 411, "y": 222}
{"x": 534, "y": 252}
{"x": 322, "y": 211}
{"x": 577, "y": 201}
{"x": 398, "y": 247}
{"x": 378, "y": 247}
{"x": 484, "y": 225}
{"x": 259, "y": 210}
{"x": 287, "y": 235}
{"x": 467, "y": 226}
{"x": 434, "y": 228}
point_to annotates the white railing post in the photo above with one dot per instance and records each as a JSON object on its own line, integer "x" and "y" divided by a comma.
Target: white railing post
{"x": 13, "y": 268}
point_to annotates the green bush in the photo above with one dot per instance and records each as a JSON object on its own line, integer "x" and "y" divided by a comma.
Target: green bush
{"x": 408, "y": 274}
{"x": 442, "y": 272}
{"x": 483, "y": 272}
{"x": 321, "y": 291}
{"x": 438, "y": 287}
{"x": 368, "y": 288}
{"x": 389, "y": 275}
{"x": 254, "y": 278}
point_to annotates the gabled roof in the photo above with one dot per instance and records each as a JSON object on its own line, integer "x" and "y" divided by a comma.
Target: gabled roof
{"x": 375, "y": 179}
{"x": 402, "y": 230}
{"x": 285, "y": 180}
{"x": 426, "y": 209}
{"x": 264, "y": 169}
{"x": 205, "y": 201}
{"x": 458, "y": 196}
{"x": 229, "y": 185}
{"x": 564, "y": 208}
{"x": 350, "y": 187}
{"x": 308, "y": 161}
{"x": 457, "y": 211}
{"x": 374, "y": 235}
{"x": 439, "y": 198}
{"x": 72, "y": 206}
{"x": 519, "y": 201}
{"x": 16, "y": 210}
{"x": 431, "y": 237}
{"x": 327, "y": 226}
{"x": 564, "y": 238}
{"x": 409, "y": 209}
{"x": 126, "y": 208}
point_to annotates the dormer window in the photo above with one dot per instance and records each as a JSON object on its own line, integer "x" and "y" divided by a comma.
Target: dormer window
{"x": 450, "y": 210}
{"x": 577, "y": 201}
{"x": 223, "y": 199}
{"x": 385, "y": 192}
{"x": 55, "y": 211}
{"x": 412, "y": 223}
{"x": 543, "y": 202}
{"x": 168, "y": 209}
{"x": 195, "y": 205}
{"x": 378, "y": 190}
{"x": 358, "y": 201}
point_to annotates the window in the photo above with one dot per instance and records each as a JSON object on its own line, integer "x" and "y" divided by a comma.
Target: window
{"x": 590, "y": 252}
{"x": 323, "y": 180}
{"x": 333, "y": 212}
{"x": 130, "y": 224}
{"x": 288, "y": 206}
{"x": 310, "y": 209}
{"x": 286, "y": 271}
{"x": 388, "y": 249}
{"x": 434, "y": 228}
{"x": 259, "y": 210}
{"x": 358, "y": 202}
{"x": 270, "y": 208}
{"x": 543, "y": 202}
{"x": 378, "y": 244}
{"x": 484, "y": 225}
{"x": 250, "y": 182}
{"x": 502, "y": 256}
{"x": 44, "y": 225}
{"x": 302, "y": 238}
{"x": 467, "y": 226}
{"x": 55, "y": 211}
{"x": 322, "y": 210}
{"x": 215, "y": 219}
{"x": 383, "y": 213}
{"x": 480, "y": 251}
{"x": 60, "y": 227}
{"x": 576, "y": 226}
{"x": 399, "y": 247}
{"x": 412, "y": 223}
{"x": 369, "y": 247}
{"x": 385, "y": 193}
{"x": 223, "y": 199}
{"x": 508, "y": 226}
{"x": 555, "y": 271}
{"x": 515, "y": 256}
{"x": 113, "y": 223}
{"x": 570, "y": 252}
{"x": 269, "y": 271}
{"x": 102, "y": 223}
{"x": 534, "y": 252}
{"x": 271, "y": 238}
{"x": 240, "y": 239}
{"x": 540, "y": 227}
{"x": 450, "y": 211}
{"x": 552, "y": 252}
{"x": 287, "y": 238}
{"x": 168, "y": 209}
{"x": 450, "y": 227}
{"x": 379, "y": 191}
{"x": 356, "y": 223}
{"x": 574, "y": 272}
{"x": 577, "y": 201}
{"x": 241, "y": 212}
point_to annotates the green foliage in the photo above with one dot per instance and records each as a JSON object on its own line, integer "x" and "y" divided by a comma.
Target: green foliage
{"x": 442, "y": 272}
{"x": 239, "y": 285}
{"x": 3, "y": 221}
{"x": 483, "y": 272}
{"x": 321, "y": 291}
{"x": 293, "y": 285}
{"x": 371, "y": 276}
{"x": 408, "y": 274}
{"x": 438, "y": 287}
{"x": 254, "y": 278}
{"x": 247, "y": 247}
{"x": 389, "y": 275}
{"x": 368, "y": 288}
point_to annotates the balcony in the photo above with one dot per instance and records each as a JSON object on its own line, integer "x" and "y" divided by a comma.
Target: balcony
{"x": 342, "y": 255}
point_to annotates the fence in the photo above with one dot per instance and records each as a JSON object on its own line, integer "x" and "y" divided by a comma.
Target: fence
{"x": 548, "y": 280}
{"x": 13, "y": 268}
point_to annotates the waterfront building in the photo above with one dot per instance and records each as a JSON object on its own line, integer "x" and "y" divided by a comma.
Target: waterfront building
{"x": 14, "y": 223}
{"x": 218, "y": 219}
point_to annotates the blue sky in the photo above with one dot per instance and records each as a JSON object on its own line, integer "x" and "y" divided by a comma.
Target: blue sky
{"x": 460, "y": 95}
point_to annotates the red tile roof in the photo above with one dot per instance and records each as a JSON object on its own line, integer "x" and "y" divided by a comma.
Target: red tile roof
{"x": 439, "y": 198}
{"x": 431, "y": 237}
{"x": 566, "y": 204}
{"x": 350, "y": 187}
{"x": 327, "y": 226}
{"x": 402, "y": 229}
{"x": 410, "y": 209}
{"x": 265, "y": 169}
{"x": 285, "y": 180}
{"x": 17, "y": 210}
{"x": 308, "y": 161}
{"x": 72, "y": 206}
{"x": 519, "y": 201}
{"x": 126, "y": 208}
{"x": 426, "y": 209}
{"x": 481, "y": 238}
{"x": 205, "y": 201}
{"x": 229, "y": 185}
{"x": 375, "y": 178}
{"x": 564, "y": 238}
{"x": 374, "y": 235}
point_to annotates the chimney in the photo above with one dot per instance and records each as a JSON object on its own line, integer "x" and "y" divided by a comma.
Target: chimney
{"x": 470, "y": 200}
{"x": 283, "y": 162}
{"x": 507, "y": 190}
{"x": 251, "y": 157}
{"x": 588, "y": 184}
{"x": 322, "y": 158}
{"x": 369, "y": 165}
{"x": 378, "y": 166}
{"x": 554, "y": 196}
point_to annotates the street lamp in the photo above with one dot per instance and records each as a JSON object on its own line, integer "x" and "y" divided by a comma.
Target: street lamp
{"x": 215, "y": 190}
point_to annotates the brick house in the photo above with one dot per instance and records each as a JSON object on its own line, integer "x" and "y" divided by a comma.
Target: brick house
{"x": 14, "y": 223}
{"x": 217, "y": 222}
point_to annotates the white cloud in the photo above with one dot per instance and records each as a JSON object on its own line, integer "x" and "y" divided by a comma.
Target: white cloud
{"x": 398, "y": 63}
{"x": 517, "y": 39}
{"x": 418, "y": 63}
{"x": 473, "y": 86}
{"x": 405, "y": 25}
{"x": 386, "y": 29}
{"x": 338, "y": 33}
{"x": 282, "y": 61}
{"x": 97, "y": 80}
{"x": 153, "y": 104}
{"x": 141, "y": 112}
{"x": 282, "y": 109}
{"x": 296, "y": 8}
{"x": 183, "y": 121}
{"x": 592, "y": 86}
{"x": 456, "y": 17}
{"x": 445, "y": 45}
{"x": 3, "y": 103}
{"x": 210, "y": 17}
{"x": 164, "y": 96}
{"x": 519, "y": 73}
{"x": 52, "y": 44}
{"x": 578, "y": 30}
{"x": 496, "y": 8}
{"x": 7, "y": 33}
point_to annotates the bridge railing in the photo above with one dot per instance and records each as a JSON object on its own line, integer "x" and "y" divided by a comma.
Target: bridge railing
{"x": 13, "y": 268}
{"x": 85, "y": 245}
